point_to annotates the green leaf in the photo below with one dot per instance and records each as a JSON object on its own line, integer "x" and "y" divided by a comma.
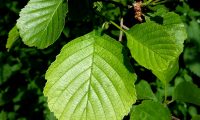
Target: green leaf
{"x": 151, "y": 46}
{"x": 150, "y": 110}
{"x": 197, "y": 117}
{"x": 187, "y": 92}
{"x": 195, "y": 68}
{"x": 176, "y": 27}
{"x": 167, "y": 75}
{"x": 143, "y": 90}
{"x": 89, "y": 80}
{"x": 13, "y": 35}
{"x": 191, "y": 59}
{"x": 41, "y": 22}
{"x": 3, "y": 115}
{"x": 193, "y": 31}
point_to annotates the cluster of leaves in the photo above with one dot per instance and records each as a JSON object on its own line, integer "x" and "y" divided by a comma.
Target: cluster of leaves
{"x": 92, "y": 77}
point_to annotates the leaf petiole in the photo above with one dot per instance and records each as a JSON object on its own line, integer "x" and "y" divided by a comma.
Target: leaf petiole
{"x": 117, "y": 26}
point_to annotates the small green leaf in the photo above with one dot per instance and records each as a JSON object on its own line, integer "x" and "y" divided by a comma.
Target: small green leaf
{"x": 13, "y": 35}
{"x": 167, "y": 75}
{"x": 150, "y": 110}
{"x": 89, "y": 80}
{"x": 151, "y": 46}
{"x": 187, "y": 92}
{"x": 143, "y": 90}
{"x": 193, "y": 31}
{"x": 41, "y": 22}
{"x": 195, "y": 68}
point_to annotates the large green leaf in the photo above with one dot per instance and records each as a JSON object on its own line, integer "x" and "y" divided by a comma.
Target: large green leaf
{"x": 151, "y": 46}
{"x": 144, "y": 92}
{"x": 150, "y": 110}
{"x": 41, "y": 22}
{"x": 13, "y": 35}
{"x": 187, "y": 92}
{"x": 89, "y": 80}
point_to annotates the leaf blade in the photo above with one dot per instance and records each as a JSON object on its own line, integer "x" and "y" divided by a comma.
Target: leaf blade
{"x": 187, "y": 92}
{"x": 41, "y": 22}
{"x": 13, "y": 35}
{"x": 167, "y": 75}
{"x": 151, "y": 46}
{"x": 144, "y": 91}
{"x": 148, "y": 110}
{"x": 91, "y": 79}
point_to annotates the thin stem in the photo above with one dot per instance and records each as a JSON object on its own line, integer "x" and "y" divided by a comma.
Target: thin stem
{"x": 117, "y": 26}
{"x": 169, "y": 102}
{"x": 159, "y": 2}
{"x": 121, "y": 32}
{"x": 124, "y": 27}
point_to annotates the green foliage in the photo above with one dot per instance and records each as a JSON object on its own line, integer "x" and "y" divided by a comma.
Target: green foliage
{"x": 150, "y": 110}
{"x": 187, "y": 92}
{"x": 90, "y": 80}
{"x": 149, "y": 43}
{"x": 167, "y": 75}
{"x": 12, "y": 37}
{"x": 41, "y": 22}
{"x": 197, "y": 117}
{"x": 144, "y": 92}
{"x": 93, "y": 76}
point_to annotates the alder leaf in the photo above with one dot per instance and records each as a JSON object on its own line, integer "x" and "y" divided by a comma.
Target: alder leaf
{"x": 144, "y": 91}
{"x": 187, "y": 92}
{"x": 41, "y": 22}
{"x": 167, "y": 75}
{"x": 151, "y": 46}
{"x": 150, "y": 110}
{"x": 13, "y": 35}
{"x": 176, "y": 27}
{"x": 89, "y": 80}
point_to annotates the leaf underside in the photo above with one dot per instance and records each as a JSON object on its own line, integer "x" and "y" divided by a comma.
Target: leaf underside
{"x": 89, "y": 80}
{"x": 41, "y": 22}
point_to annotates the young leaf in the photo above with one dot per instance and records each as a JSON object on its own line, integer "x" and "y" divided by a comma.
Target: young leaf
{"x": 167, "y": 75}
{"x": 41, "y": 22}
{"x": 143, "y": 90}
{"x": 187, "y": 92}
{"x": 150, "y": 110}
{"x": 89, "y": 80}
{"x": 151, "y": 46}
{"x": 13, "y": 35}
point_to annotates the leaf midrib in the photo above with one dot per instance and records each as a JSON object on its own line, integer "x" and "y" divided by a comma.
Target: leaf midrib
{"x": 147, "y": 48}
{"x": 52, "y": 16}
